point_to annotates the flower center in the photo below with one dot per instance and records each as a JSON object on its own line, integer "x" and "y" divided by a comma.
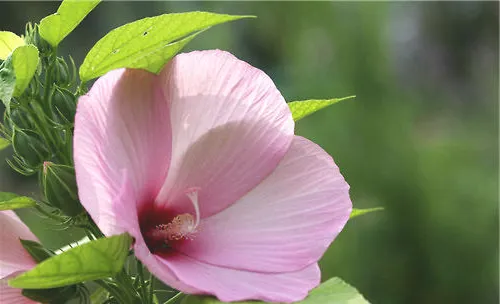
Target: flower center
{"x": 181, "y": 227}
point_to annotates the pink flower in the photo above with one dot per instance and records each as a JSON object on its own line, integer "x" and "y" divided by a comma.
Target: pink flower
{"x": 14, "y": 259}
{"x": 201, "y": 166}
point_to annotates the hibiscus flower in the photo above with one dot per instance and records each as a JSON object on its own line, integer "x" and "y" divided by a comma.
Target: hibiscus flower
{"x": 201, "y": 166}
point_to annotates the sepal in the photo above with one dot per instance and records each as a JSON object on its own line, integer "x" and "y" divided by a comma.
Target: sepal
{"x": 59, "y": 187}
{"x": 36, "y": 250}
{"x": 29, "y": 147}
{"x": 62, "y": 105}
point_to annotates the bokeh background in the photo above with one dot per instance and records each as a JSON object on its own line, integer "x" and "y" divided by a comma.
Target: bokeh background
{"x": 420, "y": 139}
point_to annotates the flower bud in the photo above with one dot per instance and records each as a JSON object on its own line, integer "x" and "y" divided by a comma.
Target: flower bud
{"x": 61, "y": 74}
{"x": 59, "y": 186}
{"x": 29, "y": 147}
{"x": 32, "y": 36}
{"x": 62, "y": 105}
{"x": 19, "y": 119}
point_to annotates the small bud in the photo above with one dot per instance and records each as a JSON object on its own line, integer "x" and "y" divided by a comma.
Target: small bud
{"x": 19, "y": 119}
{"x": 29, "y": 147}
{"x": 33, "y": 37}
{"x": 62, "y": 105}
{"x": 59, "y": 186}
{"x": 61, "y": 74}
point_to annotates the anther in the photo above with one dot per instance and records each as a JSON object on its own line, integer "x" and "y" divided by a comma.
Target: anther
{"x": 183, "y": 226}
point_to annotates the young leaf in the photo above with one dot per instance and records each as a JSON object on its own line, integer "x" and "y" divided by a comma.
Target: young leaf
{"x": 7, "y": 81}
{"x": 4, "y": 143}
{"x": 303, "y": 108}
{"x": 357, "y": 212}
{"x": 24, "y": 61}
{"x": 333, "y": 291}
{"x": 9, "y": 201}
{"x": 8, "y": 42}
{"x": 94, "y": 260}
{"x": 147, "y": 43}
{"x": 70, "y": 13}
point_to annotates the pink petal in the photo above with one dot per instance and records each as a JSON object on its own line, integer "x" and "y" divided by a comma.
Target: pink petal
{"x": 230, "y": 128}
{"x": 285, "y": 223}
{"x": 156, "y": 266}
{"x": 235, "y": 285}
{"x": 122, "y": 123}
{"x": 123, "y": 217}
{"x": 13, "y": 256}
{"x": 12, "y": 295}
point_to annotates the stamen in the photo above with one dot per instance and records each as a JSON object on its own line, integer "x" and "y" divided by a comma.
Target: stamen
{"x": 183, "y": 226}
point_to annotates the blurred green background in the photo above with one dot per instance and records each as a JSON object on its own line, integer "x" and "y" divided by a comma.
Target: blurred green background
{"x": 420, "y": 139}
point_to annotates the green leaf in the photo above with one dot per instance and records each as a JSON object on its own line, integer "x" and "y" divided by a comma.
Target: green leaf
{"x": 24, "y": 61}
{"x": 303, "y": 108}
{"x": 94, "y": 260}
{"x": 17, "y": 71}
{"x": 8, "y": 43}
{"x": 54, "y": 28}
{"x": 9, "y": 201}
{"x": 333, "y": 291}
{"x": 147, "y": 43}
{"x": 357, "y": 212}
{"x": 7, "y": 81}
{"x": 4, "y": 143}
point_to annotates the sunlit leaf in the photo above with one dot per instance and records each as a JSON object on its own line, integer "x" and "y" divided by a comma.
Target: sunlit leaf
{"x": 10, "y": 201}
{"x": 357, "y": 212}
{"x": 147, "y": 43}
{"x": 8, "y": 42}
{"x": 24, "y": 61}
{"x": 94, "y": 260}
{"x": 303, "y": 108}
{"x": 17, "y": 71}
{"x": 333, "y": 291}
{"x": 70, "y": 13}
{"x": 7, "y": 81}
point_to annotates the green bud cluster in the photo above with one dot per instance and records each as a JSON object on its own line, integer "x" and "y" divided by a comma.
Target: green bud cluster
{"x": 39, "y": 125}
{"x": 32, "y": 36}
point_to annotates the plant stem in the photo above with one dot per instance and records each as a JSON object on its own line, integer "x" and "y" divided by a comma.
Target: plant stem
{"x": 140, "y": 274}
{"x": 151, "y": 288}
{"x": 174, "y": 298}
{"x": 112, "y": 290}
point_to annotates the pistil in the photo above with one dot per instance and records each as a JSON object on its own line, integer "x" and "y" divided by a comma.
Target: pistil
{"x": 182, "y": 226}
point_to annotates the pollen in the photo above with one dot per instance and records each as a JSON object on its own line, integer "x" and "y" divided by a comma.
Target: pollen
{"x": 181, "y": 227}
